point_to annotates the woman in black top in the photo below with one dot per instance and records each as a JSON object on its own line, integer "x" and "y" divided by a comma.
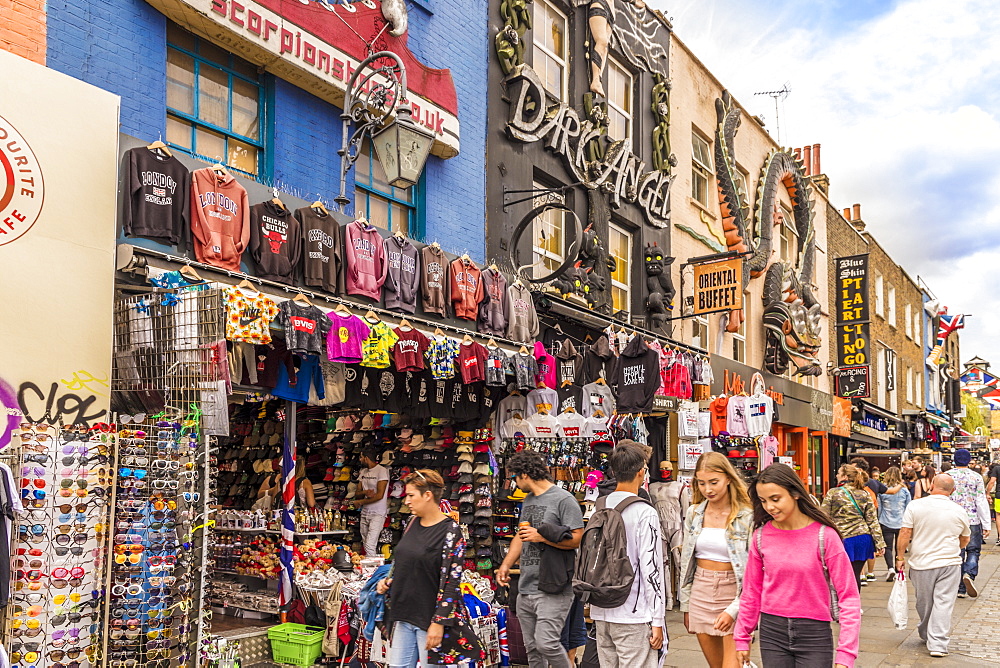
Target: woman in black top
{"x": 426, "y": 611}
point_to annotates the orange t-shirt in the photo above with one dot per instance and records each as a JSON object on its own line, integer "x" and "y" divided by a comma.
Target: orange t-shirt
{"x": 718, "y": 408}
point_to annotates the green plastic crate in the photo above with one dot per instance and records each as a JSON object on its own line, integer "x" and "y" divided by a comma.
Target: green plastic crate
{"x": 297, "y": 644}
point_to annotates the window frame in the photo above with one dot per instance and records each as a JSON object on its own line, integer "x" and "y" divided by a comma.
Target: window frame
{"x": 699, "y": 323}
{"x": 260, "y": 144}
{"x": 879, "y": 295}
{"x": 699, "y": 170}
{"x": 539, "y": 254}
{"x": 740, "y": 341}
{"x": 629, "y": 115}
{"x": 626, "y": 287}
{"x": 908, "y": 320}
{"x": 563, "y": 60}
{"x": 414, "y": 228}
{"x": 890, "y": 304}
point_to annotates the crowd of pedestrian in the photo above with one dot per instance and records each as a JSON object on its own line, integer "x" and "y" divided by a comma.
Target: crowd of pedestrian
{"x": 768, "y": 561}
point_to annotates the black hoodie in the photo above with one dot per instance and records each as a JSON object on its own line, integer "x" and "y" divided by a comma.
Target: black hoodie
{"x": 597, "y": 362}
{"x": 569, "y": 363}
{"x": 637, "y": 377}
{"x": 275, "y": 241}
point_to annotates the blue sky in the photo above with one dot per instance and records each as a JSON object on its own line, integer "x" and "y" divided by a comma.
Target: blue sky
{"x": 904, "y": 98}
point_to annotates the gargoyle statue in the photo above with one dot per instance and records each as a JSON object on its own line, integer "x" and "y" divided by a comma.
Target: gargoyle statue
{"x": 659, "y": 285}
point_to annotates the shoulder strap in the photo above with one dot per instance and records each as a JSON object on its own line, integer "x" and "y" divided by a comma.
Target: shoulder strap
{"x": 634, "y": 498}
{"x": 850, "y": 495}
{"x": 757, "y": 537}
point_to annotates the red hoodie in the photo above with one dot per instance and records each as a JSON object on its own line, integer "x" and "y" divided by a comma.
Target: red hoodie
{"x": 220, "y": 219}
{"x": 366, "y": 266}
{"x": 466, "y": 289}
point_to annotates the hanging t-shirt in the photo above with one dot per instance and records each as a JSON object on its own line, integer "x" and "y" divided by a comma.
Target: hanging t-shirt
{"x": 542, "y": 398}
{"x": 441, "y": 354}
{"x": 335, "y": 382}
{"x": 158, "y": 202}
{"x": 760, "y": 413}
{"x": 599, "y": 398}
{"x": 572, "y": 425}
{"x": 512, "y": 405}
{"x": 768, "y": 451}
{"x": 515, "y": 427}
{"x": 736, "y": 416}
{"x": 597, "y": 428}
{"x": 377, "y": 347}
{"x": 249, "y": 315}
{"x": 687, "y": 423}
{"x": 496, "y": 367}
{"x": 411, "y": 346}
{"x": 343, "y": 342}
{"x": 295, "y": 386}
{"x": 472, "y": 362}
{"x": 525, "y": 368}
{"x": 306, "y": 327}
{"x": 546, "y": 426}
{"x": 573, "y": 396}
{"x": 720, "y": 414}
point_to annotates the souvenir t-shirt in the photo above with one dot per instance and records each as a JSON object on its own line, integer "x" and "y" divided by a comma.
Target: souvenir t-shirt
{"x": 343, "y": 342}
{"x": 572, "y": 396}
{"x": 760, "y": 413}
{"x": 472, "y": 362}
{"x": 249, "y": 315}
{"x": 378, "y": 346}
{"x": 597, "y": 428}
{"x": 306, "y": 326}
{"x": 408, "y": 353}
{"x": 525, "y": 368}
{"x": 598, "y": 398}
{"x": 516, "y": 427}
{"x": 546, "y": 426}
{"x": 542, "y": 398}
{"x": 496, "y": 367}
{"x": 720, "y": 413}
{"x": 736, "y": 418}
{"x": 441, "y": 354}
{"x": 572, "y": 425}
{"x": 512, "y": 405}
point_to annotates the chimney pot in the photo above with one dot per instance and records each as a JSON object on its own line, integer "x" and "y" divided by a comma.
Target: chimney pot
{"x": 798, "y": 153}
{"x": 807, "y": 159}
{"x": 847, "y": 214}
{"x": 857, "y": 212}
{"x": 816, "y": 168}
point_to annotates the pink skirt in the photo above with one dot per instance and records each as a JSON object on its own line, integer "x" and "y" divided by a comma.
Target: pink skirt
{"x": 711, "y": 594}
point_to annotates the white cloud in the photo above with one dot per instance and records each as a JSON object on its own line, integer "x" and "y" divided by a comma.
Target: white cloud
{"x": 904, "y": 105}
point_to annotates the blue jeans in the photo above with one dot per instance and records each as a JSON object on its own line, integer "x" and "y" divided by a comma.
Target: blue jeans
{"x": 970, "y": 553}
{"x": 574, "y": 633}
{"x": 409, "y": 643}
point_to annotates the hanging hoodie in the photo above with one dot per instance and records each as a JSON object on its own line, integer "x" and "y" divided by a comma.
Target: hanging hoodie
{"x": 569, "y": 364}
{"x": 546, "y": 366}
{"x": 596, "y": 361}
{"x": 433, "y": 280}
{"x": 598, "y": 397}
{"x": 220, "y": 219}
{"x": 158, "y": 203}
{"x": 366, "y": 265}
{"x": 522, "y": 320}
{"x": 493, "y": 308}
{"x": 403, "y": 275}
{"x": 323, "y": 256}
{"x": 466, "y": 289}
{"x": 638, "y": 377}
{"x": 275, "y": 241}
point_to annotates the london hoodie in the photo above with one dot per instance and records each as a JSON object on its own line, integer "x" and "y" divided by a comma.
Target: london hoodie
{"x": 466, "y": 289}
{"x": 323, "y": 254}
{"x": 220, "y": 219}
{"x": 493, "y": 308}
{"x": 403, "y": 275}
{"x": 522, "y": 323}
{"x": 366, "y": 265}
{"x": 434, "y": 280}
{"x": 637, "y": 377}
{"x": 275, "y": 241}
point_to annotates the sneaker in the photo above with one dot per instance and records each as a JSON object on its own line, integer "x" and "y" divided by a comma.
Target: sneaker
{"x": 970, "y": 586}
{"x": 871, "y": 577}
{"x": 890, "y": 576}
{"x": 998, "y": 542}
{"x": 939, "y": 655}
{"x": 864, "y": 582}
{"x": 962, "y": 594}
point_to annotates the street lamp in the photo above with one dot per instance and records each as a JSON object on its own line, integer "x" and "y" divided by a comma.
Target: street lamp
{"x": 376, "y": 90}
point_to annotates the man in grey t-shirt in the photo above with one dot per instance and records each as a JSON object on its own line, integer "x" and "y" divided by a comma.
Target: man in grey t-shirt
{"x": 542, "y": 615}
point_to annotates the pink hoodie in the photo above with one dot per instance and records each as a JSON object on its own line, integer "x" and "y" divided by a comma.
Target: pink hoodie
{"x": 366, "y": 264}
{"x": 546, "y": 367}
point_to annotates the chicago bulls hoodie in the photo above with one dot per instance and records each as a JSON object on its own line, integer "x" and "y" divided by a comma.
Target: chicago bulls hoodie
{"x": 275, "y": 241}
{"x": 366, "y": 265}
{"x": 637, "y": 377}
{"x": 466, "y": 289}
{"x": 220, "y": 219}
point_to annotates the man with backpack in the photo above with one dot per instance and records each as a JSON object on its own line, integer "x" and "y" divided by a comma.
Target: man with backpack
{"x": 545, "y": 592}
{"x": 619, "y": 569}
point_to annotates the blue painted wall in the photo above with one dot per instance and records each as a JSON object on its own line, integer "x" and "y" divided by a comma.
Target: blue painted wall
{"x": 120, "y": 46}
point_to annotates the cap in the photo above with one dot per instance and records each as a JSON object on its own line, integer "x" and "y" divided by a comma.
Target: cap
{"x": 962, "y": 457}
{"x": 481, "y": 469}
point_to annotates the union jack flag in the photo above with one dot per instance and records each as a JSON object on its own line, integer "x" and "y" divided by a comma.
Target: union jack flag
{"x": 948, "y": 324}
{"x": 286, "y": 557}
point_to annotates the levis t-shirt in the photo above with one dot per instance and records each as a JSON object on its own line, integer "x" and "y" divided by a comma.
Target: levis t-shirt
{"x": 343, "y": 342}
{"x": 248, "y": 315}
{"x": 572, "y": 425}
{"x": 306, "y": 327}
{"x": 376, "y": 348}
{"x": 408, "y": 353}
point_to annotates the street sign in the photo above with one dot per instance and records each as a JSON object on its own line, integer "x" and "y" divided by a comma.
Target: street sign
{"x": 853, "y": 382}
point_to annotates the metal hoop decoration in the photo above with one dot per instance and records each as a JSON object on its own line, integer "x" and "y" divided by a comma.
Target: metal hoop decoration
{"x": 571, "y": 252}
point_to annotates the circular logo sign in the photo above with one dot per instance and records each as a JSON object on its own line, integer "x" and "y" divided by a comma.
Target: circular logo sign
{"x": 21, "y": 187}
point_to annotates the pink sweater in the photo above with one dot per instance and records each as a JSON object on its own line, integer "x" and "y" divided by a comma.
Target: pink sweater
{"x": 790, "y": 583}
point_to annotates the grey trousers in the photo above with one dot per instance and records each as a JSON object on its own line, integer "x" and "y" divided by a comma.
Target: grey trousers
{"x": 936, "y": 594}
{"x": 625, "y": 645}
{"x": 542, "y": 618}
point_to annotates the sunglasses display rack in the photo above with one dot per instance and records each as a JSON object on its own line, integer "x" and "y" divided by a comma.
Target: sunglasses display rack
{"x": 53, "y": 618}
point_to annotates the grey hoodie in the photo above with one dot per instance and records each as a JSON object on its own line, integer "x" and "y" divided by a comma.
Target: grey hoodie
{"x": 495, "y": 305}
{"x": 522, "y": 323}
{"x": 403, "y": 276}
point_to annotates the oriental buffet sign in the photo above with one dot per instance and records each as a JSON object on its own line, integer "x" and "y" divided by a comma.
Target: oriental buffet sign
{"x": 620, "y": 172}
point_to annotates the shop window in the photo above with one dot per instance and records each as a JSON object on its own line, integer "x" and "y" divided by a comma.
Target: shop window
{"x": 909, "y": 385}
{"x": 879, "y": 296}
{"x": 215, "y": 103}
{"x": 701, "y": 169}
{"x": 740, "y": 338}
{"x": 620, "y": 248}
{"x": 699, "y": 333}
{"x": 548, "y": 235}
{"x": 789, "y": 240}
{"x": 548, "y": 51}
{"x": 908, "y": 320}
{"x": 385, "y": 206}
{"x": 743, "y": 180}
{"x": 619, "y": 91}
{"x": 891, "y": 305}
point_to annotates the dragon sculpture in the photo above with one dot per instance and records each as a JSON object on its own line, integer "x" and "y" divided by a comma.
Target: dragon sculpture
{"x": 791, "y": 311}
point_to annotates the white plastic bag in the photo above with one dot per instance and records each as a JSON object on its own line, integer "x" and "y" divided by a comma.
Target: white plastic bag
{"x": 898, "y": 604}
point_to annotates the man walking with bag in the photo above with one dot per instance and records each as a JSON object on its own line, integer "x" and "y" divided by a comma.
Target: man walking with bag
{"x": 936, "y": 529}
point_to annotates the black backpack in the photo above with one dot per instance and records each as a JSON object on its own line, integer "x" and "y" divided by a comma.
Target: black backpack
{"x": 604, "y": 573}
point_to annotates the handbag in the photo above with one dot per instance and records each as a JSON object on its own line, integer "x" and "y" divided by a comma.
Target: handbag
{"x": 515, "y": 640}
{"x": 332, "y": 605}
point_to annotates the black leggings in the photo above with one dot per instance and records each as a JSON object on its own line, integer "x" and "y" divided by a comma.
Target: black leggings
{"x": 858, "y": 566}
{"x": 890, "y": 536}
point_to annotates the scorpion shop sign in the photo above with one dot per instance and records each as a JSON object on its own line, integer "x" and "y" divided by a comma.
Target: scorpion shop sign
{"x": 621, "y": 173}
{"x": 718, "y": 286}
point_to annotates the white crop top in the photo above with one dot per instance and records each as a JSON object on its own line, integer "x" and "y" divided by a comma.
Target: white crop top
{"x": 711, "y": 545}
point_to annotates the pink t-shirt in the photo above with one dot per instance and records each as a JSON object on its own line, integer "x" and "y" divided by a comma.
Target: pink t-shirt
{"x": 736, "y": 416}
{"x": 343, "y": 342}
{"x": 777, "y": 585}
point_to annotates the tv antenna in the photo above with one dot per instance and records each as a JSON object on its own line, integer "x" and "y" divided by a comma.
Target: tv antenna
{"x": 777, "y": 95}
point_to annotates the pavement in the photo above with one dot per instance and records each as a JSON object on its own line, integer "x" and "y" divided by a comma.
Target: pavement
{"x": 975, "y": 639}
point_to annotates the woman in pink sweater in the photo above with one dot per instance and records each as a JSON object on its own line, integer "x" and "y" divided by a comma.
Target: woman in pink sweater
{"x": 797, "y": 576}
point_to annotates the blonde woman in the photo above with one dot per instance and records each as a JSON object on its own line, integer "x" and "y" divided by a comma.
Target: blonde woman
{"x": 714, "y": 556}
{"x": 854, "y": 513}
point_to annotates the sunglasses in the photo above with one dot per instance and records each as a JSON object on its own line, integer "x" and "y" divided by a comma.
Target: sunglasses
{"x": 132, "y": 419}
{"x": 36, "y": 494}
{"x": 38, "y": 458}
{"x": 165, "y": 484}
{"x": 74, "y": 550}
{"x": 64, "y": 539}
{"x": 60, "y": 599}
{"x": 126, "y": 472}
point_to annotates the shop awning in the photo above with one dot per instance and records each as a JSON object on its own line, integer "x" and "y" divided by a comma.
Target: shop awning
{"x": 868, "y": 440}
{"x": 934, "y": 419}
{"x": 877, "y": 410}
